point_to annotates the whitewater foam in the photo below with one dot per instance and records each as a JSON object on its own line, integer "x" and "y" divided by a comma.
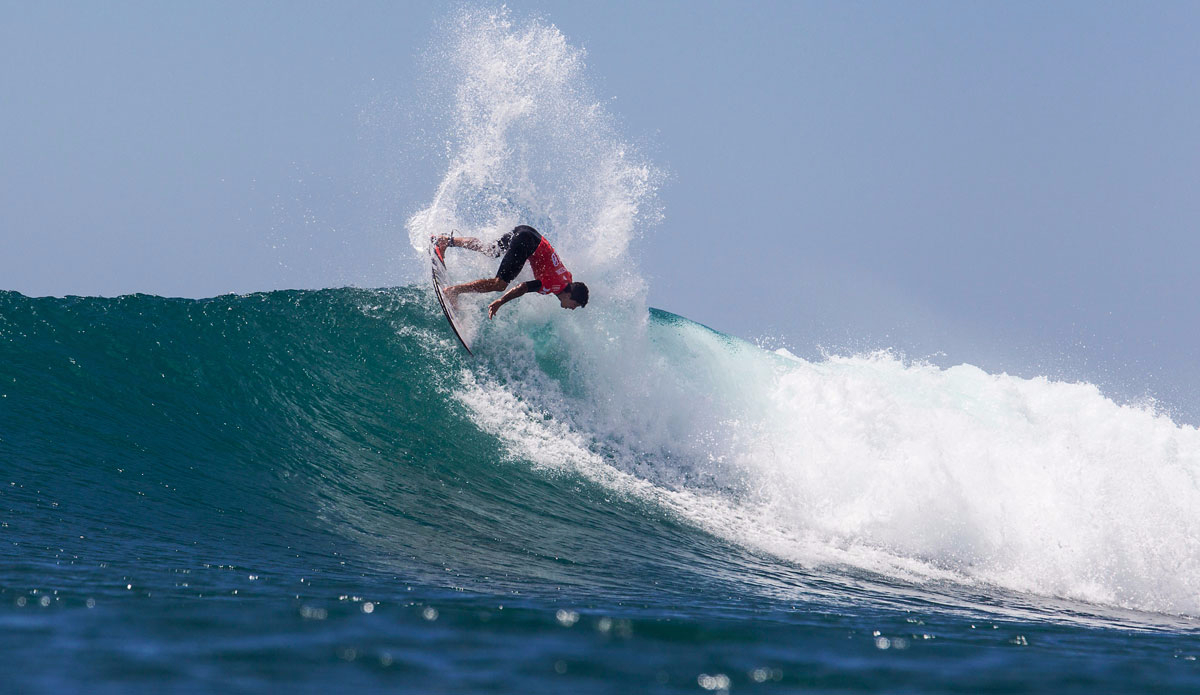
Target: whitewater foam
{"x": 905, "y": 469}
{"x": 911, "y": 471}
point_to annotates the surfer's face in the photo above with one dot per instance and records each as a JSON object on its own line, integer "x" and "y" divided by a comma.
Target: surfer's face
{"x": 565, "y": 301}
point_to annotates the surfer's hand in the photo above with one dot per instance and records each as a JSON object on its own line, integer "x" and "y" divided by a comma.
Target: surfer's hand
{"x": 441, "y": 242}
{"x": 493, "y": 308}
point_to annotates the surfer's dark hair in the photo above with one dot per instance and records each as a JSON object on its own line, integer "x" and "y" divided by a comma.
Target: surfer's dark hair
{"x": 579, "y": 292}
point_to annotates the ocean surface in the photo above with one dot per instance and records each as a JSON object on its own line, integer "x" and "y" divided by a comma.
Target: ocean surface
{"x": 320, "y": 491}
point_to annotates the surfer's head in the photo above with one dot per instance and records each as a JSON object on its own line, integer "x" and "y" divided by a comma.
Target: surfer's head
{"x": 573, "y": 296}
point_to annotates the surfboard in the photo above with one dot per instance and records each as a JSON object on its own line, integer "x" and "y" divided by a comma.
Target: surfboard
{"x": 439, "y": 280}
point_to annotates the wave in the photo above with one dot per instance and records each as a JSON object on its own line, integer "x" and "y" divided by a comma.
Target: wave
{"x": 353, "y": 411}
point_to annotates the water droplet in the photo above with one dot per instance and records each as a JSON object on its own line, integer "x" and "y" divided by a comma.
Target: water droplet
{"x": 311, "y": 613}
{"x": 718, "y": 681}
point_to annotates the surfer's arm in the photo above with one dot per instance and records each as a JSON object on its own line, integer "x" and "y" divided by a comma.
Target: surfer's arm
{"x": 531, "y": 286}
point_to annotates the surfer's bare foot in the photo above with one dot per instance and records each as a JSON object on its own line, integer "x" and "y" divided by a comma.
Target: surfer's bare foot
{"x": 441, "y": 243}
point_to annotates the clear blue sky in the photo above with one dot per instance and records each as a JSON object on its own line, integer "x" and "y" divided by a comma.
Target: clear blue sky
{"x": 1011, "y": 184}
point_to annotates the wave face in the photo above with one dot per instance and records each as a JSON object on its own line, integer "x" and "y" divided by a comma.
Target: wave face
{"x": 285, "y": 410}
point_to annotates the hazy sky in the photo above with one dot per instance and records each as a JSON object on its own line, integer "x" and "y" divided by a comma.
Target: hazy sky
{"x": 1015, "y": 185}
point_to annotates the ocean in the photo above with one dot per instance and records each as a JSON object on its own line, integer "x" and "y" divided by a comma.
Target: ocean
{"x": 320, "y": 491}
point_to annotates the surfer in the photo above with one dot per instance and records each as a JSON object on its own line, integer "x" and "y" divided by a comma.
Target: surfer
{"x": 523, "y": 243}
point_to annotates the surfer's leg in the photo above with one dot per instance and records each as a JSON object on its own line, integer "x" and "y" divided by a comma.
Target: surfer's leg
{"x": 482, "y": 285}
{"x": 466, "y": 242}
{"x": 519, "y": 237}
{"x": 518, "y": 246}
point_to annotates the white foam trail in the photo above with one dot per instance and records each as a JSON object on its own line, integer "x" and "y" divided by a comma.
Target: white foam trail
{"x": 908, "y": 470}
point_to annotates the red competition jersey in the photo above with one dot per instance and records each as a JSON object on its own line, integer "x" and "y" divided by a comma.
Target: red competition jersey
{"x": 548, "y": 270}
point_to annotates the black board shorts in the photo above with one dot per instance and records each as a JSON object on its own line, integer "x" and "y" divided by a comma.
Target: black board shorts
{"x": 517, "y": 246}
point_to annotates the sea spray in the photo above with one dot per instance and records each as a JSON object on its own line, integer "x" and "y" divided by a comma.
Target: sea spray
{"x": 902, "y": 469}
{"x": 530, "y": 143}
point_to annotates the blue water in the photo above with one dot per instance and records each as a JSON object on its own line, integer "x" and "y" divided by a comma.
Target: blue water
{"x": 282, "y": 490}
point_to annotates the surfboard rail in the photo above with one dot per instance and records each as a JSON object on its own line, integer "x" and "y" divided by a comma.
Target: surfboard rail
{"x": 438, "y": 265}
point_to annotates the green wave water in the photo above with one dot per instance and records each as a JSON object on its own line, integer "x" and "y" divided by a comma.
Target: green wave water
{"x": 295, "y": 489}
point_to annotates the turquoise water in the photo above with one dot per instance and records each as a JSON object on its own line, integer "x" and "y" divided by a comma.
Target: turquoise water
{"x": 302, "y": 489}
